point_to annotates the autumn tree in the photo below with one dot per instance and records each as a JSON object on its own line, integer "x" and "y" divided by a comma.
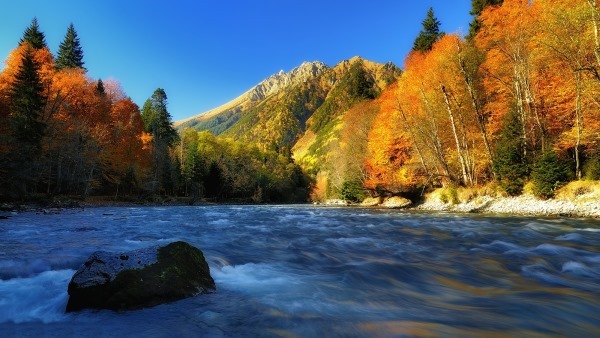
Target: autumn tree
{"x": 567, "y": 46}
{"x": 429, "y": 34}
{"x": 34, "y": 36}
{"x": 477, "y": 6}
{"x": 61, "y": 131}
{"x": 70, "y": 53}
{"x": 513, "y": 73}
{"x": 425, "y": 113}
{"x": 127, "y": 157}
{"x": 392, "y": 147}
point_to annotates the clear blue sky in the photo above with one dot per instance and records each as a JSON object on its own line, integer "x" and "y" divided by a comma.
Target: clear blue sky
{"x": 205, "y": 53}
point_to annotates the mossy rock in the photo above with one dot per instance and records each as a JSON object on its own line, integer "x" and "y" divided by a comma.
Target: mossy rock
{"x": 140, "y": 278}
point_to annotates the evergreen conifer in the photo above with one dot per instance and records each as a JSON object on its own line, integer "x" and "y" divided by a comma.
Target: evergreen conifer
{"x": 70, "y": 54}
{"x": 27, "y": 103}
{"x": 509, "y": 164}
{"x": 100, "y": 87}
{"x": 157, "y": 119}
{"x": 429, "y": 34}
{"x": 34, "y": 36}
{"x": 477, "y": 6}
{"x": 548, "y": 174}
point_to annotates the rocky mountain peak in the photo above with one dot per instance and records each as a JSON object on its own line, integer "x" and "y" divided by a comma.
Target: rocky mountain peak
{"x": 282, "y": 80}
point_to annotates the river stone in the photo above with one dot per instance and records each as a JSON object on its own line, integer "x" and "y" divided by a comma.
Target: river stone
{"x": 139, "y": 278}
{"x": 371, "y": 201}
{"x": 396, "y": 202}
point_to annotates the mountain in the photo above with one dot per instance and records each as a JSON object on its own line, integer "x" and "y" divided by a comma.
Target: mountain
{"x": 318, "y": 115}
{"x": 219, "y": 119}
{"x": 278, "y": 111}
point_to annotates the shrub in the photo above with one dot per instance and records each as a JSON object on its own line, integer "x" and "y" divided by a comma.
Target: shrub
{"x": 352, "y": 191}
{"x": 548, "y": 174}
{"x": 591, "y": 169}
{"x": 449, "y": 195}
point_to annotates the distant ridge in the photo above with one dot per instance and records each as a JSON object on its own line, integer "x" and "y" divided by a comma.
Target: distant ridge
{"x": 269, "y": 86}
{"x": 297, "y": 113}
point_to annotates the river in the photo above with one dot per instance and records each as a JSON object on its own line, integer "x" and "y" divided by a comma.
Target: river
{"x": 312, "y": 271}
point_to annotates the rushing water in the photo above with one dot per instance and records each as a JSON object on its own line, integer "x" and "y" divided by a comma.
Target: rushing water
{"x": 306, "y": 271}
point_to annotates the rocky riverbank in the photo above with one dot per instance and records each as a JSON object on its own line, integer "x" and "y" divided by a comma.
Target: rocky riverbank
{"x": 575, "y": 200}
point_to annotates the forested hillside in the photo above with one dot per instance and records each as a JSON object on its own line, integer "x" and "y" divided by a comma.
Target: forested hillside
{"x": 61, "y": 131}
{"x": 64, "y": 133}
{"x": 513, "y": 105}
{"x": 515, "y": 101}
{"x": 312, "y": 120}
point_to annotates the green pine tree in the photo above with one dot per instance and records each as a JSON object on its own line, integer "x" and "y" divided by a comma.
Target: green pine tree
{"x": 27, "y": 103}
{"x": 34, "y": 36}
{"x": 429, "y": 34}
{"x": 509, "y": 165}
{"x": 477, "y": 6}
{"x": 157, "y": 119}
{"x": 70, "y": 54}
{"x": 548, "y": 174}
{"x": 100, "y": 87}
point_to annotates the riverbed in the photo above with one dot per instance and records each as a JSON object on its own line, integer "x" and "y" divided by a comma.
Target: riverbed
{"x": 313, "y": 271}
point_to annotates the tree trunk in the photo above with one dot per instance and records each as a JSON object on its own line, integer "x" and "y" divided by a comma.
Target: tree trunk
{"x": 594, "y": 10}
{"x": 459, "y": 149}
{"x": 478, "y": 113}
{"x": 578, "y": 125}
{"x": 520, "y": 108}
{"x": 437, "y": 145}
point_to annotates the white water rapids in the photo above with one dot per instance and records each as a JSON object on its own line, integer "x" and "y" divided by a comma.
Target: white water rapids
{"x": 309, "y": 271}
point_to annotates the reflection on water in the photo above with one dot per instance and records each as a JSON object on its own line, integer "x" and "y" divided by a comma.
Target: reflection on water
{"x": 305, "y": 271}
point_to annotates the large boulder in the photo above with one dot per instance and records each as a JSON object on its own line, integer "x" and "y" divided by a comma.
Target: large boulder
{"x": 396, "y": 202}
{"x": 139, "y": 278}
{"x": 371, "y": 201}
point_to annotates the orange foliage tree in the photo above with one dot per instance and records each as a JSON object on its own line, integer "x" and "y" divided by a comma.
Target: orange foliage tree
{"x": 511, "y": 72}
{"x": 568, "y": 51}
{"x": 91, "y": 139}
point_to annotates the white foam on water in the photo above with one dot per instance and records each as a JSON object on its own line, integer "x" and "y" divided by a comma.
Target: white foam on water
{"x": 590, "y": 229}
{"x": 22, "y": 268}
{"x": 274, "y": 286}
{"x": 42, "y": 297}
{"x": 253, "y": 276}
